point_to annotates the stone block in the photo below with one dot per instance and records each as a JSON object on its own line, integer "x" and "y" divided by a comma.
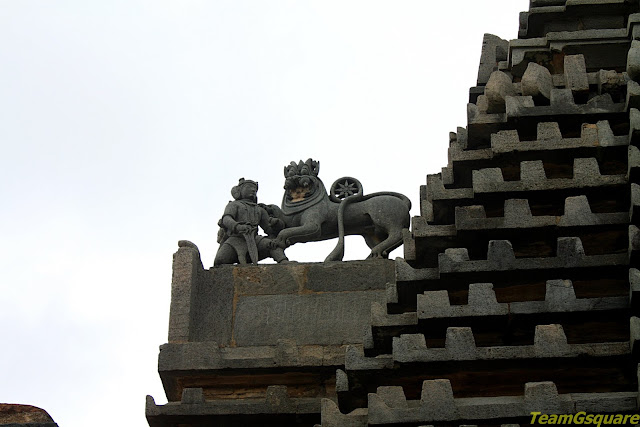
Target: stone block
{"x": 570, "y": 251}
{"x": 332, "y": 417}
{"x": 550, "y": 341}
{"x": 634, "y": 339}
{"x": 355, "y": 360}
{"x": 536, "y": 81}
{"x": 497, "y": 88}
{"x": 186, "y": 268}
{"x": 634, "y": 127}
{"x": 606, "y": 138}
{"x": 577, "y": 212}
{"x": 517, "y": 213}
{"x": 437, "y": 402}
{"x": 406, "y": 273}
{"x": 457, "y": 254}
{"x": 494, "y": 50}
{"x": 586, "y": 169}
{"x": 634, "y": 289}
{"x": 633, "y": 163}
{"x": 342, "y": 381}
{"x": 433, "y": 304}
{"x": 351, "y": 276}
{"x": 482, "y": 103}
{"x": 460, "y": 343}
{"x": 482, "y": 299}
{"x": 380, "y": 317}
{"x": 192, "y": 395}
{"x": 634, "y": 245}
{"x": 562, "y": 98}
{"x": 500, "y": 254}
{"x": 278, "y": 399}
{"x": 392, "y": 396}
{"x": 633, "y": 95}
{"x": 505, "y": 141}
{"x": 532, "y": 171}
{"x": 515, "y": 106}
{"x": 633, "y": 61}
{"x": 560, "y": 295}
{"x": 575, "y": 74}
{"x": 406, "y": 346}
{"x": 327, "y": 318}
{"x": 212, "y": 306}
{"x": 488, "y": 176}
{"x": 543, "y": 397}
{"x": 549, "y": 131}
{"x": 609, "y": 81}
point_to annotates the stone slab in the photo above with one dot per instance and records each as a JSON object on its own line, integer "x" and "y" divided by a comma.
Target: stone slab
{"x": 328, "y": 318}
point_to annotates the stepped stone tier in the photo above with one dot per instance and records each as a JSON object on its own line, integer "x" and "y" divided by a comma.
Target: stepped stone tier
{"x": 519, "y": 289}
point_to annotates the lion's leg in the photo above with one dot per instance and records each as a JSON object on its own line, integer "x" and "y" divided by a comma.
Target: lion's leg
{"x": 392, "y": 241}
{"x": 373, "y": 239}
{"x": 308, "y": 230}
{"x": 304, "y": 233}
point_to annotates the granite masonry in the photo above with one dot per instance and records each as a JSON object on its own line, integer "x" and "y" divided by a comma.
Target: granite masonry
{"x": 519, "y": 290}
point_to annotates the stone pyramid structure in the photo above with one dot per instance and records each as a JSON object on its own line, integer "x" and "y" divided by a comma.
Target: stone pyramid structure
{"x": 518, "y": 291}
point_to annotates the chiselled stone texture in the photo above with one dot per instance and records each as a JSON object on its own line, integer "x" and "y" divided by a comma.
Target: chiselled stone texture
{"x": 521, "y": 271}
{"x": 519, "y": 289}
{"x": 261, "y": 345}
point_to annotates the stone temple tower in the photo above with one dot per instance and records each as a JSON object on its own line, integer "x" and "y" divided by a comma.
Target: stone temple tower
{"x": 518, "y": 291}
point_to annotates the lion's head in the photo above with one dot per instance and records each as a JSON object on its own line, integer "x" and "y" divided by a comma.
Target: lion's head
{"x": 300, "y": 179}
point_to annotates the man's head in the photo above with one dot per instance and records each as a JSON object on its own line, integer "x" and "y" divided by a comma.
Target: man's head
{"x": 245, "y": 190}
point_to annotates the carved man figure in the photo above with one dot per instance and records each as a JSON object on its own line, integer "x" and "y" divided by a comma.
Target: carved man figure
{"x": 238, "y": 235}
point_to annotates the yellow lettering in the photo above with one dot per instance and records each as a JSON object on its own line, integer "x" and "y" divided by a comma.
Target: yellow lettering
{"x": 635, "y": 419}
{"x": 544, "y": 418}
{"x": 565, "y": 419}
{"x": 617, "y": 419}
{"x": 579, "y": 417}
{"x": 534, "y": 415}
{"x": 553, "y": 419}
{"x": 597, "y": 419}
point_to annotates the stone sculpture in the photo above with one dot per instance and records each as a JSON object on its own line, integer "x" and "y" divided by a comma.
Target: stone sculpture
{"x": 238, "y": 235}
{"x": 310, "y": 214}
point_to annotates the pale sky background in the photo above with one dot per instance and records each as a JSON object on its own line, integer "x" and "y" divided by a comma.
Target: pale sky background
{"x": 125, "y": 123}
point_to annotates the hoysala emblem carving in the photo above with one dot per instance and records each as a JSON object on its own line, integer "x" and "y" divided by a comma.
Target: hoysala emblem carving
{"x": 309, "y": 213}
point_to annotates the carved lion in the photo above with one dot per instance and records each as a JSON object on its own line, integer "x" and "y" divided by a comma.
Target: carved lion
{"x": 310, "y": 214}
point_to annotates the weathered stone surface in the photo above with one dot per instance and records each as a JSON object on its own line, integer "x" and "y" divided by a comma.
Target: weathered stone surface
{"x": 192, "y": 396}
{"x": 332, "y": 417}
{"x": 356, "y": 361}
{"x": 276, "y": 401}
{"x": 549, "y": 131}
{"x": 438, "y": 404}
{"x": 633, "y": 61}
{"x": 498, "y": 87}
{"x": 586, "y": 173}
{"x": 575, "y": 74}
{"x": 24, "y": 415}
{"x": 560, "y": 297}
{"x": 570, "y": 254}
{"x": 186, "y": 267}
{"x": 537, "y": 81}
{"x": 549, "y": 342}
{"x": 328, "y": 318}
{"x": 212, "y": 307}
{"x": 494, "y": 50}
{"x": 210, "y": 356}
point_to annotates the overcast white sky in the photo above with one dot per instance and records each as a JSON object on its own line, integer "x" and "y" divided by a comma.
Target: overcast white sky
{"x": 124, "y": 124}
